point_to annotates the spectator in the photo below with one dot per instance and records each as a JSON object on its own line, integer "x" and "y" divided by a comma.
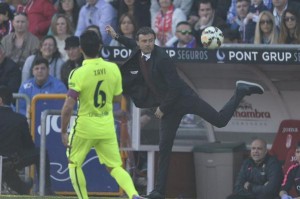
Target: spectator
{"x": 184, "y": 36}
{"x": 266, "y": 32}
{"x": 290, "y": 27}
{"x": 222, "y": 8}
{"x": 279, "y": 6}
{"x": 207, "y": 17}
{"x": 97, "y": 12}
{"x": 185, "y": 6}
{"x": 291, "y": 178}
{"x": 260, "y": 175}
{"x": 165, "y": 21}
{"x": 61, "y": 29}
{"x": 232, "y": 11}
{"x": 10, "y": 75}
{"x": 236, "y": 23}
{"x": 70, "y": 9}
{"x": 14, "y": 4}
{"x": 41, "y": 82}
{"x": 127, "y": 28}
{"x": 48, "y": 50}
{"x": 20, "y": 44}
{"x": 231, "y": 36}
{"x": 17, "y": 147}
{"x": 6, "y": 16}
{"x": 40, "y": 13}
{"x": 75, "y": 58}
{"x": 139, "y": 9}
{"x": 255, "y": 8}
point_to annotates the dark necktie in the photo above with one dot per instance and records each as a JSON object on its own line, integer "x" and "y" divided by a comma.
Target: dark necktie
{"x": 146, "y": 71}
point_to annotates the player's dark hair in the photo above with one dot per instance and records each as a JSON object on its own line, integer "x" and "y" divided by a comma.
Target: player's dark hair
{"x": 6, "y": 95}
{"x": 90, "y": 43}
{"x": 144, "y": 31}
{"x": 95, "y": 27}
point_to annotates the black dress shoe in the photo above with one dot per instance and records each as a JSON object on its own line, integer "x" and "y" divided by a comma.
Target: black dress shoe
{"x": 154, "y": 195}
{"x": 249, "y": 88}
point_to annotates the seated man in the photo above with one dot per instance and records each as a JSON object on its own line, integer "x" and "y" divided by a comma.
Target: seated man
{"x": 41, "y": 83}
{"x": 292, "y": 178}
{"x": 17, "y": 147}
{"x": 260, "y": 175}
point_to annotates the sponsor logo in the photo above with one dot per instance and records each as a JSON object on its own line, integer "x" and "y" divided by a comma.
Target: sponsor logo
{"x": 105, "y": 53}
{"x": 192, "y": 54}
{"x": 270, "y": 56}
{"x": 171, "y": 52}
{"x": 277, "y": 56}
{"x": 297, "y": 56}
{"x": 242, "y": 55}
{"x": 61, "y": 172}
{"x": 246, "y": 111}
{"x": 220, "y": 56}
{"x": 121, "y": 53}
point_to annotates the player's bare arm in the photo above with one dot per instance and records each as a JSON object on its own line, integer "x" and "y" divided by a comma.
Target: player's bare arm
{"x": 66, "y": 114}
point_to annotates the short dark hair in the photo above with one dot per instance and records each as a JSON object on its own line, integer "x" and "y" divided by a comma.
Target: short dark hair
{"x": 144, "y": 31}
{"x": 6, "y": 95}
{"x": 40, "y": 60}
{"x": 97, "y": 29}
{"x": 184, "y": 23}
{"x": 248, "y": 1}
{"x": 90, "y": 43}
{"x": 211, "y": 2}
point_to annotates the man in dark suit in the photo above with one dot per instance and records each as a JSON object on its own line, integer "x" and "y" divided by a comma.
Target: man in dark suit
{"x": 17, "y": 147}
{"x": 151, "y": 80}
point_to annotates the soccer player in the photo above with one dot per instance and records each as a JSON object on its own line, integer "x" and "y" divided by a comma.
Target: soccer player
{"x": 95, "y": 85}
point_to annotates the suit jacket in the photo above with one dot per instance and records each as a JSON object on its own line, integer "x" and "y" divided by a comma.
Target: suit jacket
{"x": 14, "y": 132}
{"x": 10, "y": 75}
{"x": 163, "y": 74}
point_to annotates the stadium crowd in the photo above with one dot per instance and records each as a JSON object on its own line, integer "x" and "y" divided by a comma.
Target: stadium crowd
{"x": 32, "y": 29}
{"x": 40, "y": 38}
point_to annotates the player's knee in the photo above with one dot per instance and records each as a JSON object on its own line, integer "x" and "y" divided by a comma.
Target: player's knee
{"x": 115, "y": 170}
{"x": 72, "y": 164}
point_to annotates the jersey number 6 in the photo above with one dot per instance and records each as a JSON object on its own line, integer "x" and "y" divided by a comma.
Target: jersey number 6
{"x": 99, "y": 94}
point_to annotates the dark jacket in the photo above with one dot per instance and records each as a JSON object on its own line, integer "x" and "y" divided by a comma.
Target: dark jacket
{"x": 265, "y": 179}
{"x": 164, "y": 76}
{"x": 67, "y": 67}
{"x": 14, "y": 132}
{"x": 292, "y": 179}
{"x": 10, "y": 75}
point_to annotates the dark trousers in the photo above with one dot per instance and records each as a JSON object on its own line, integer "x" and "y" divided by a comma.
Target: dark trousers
{"x": 170, "y": 122}
{"x": 24, "y": 159}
